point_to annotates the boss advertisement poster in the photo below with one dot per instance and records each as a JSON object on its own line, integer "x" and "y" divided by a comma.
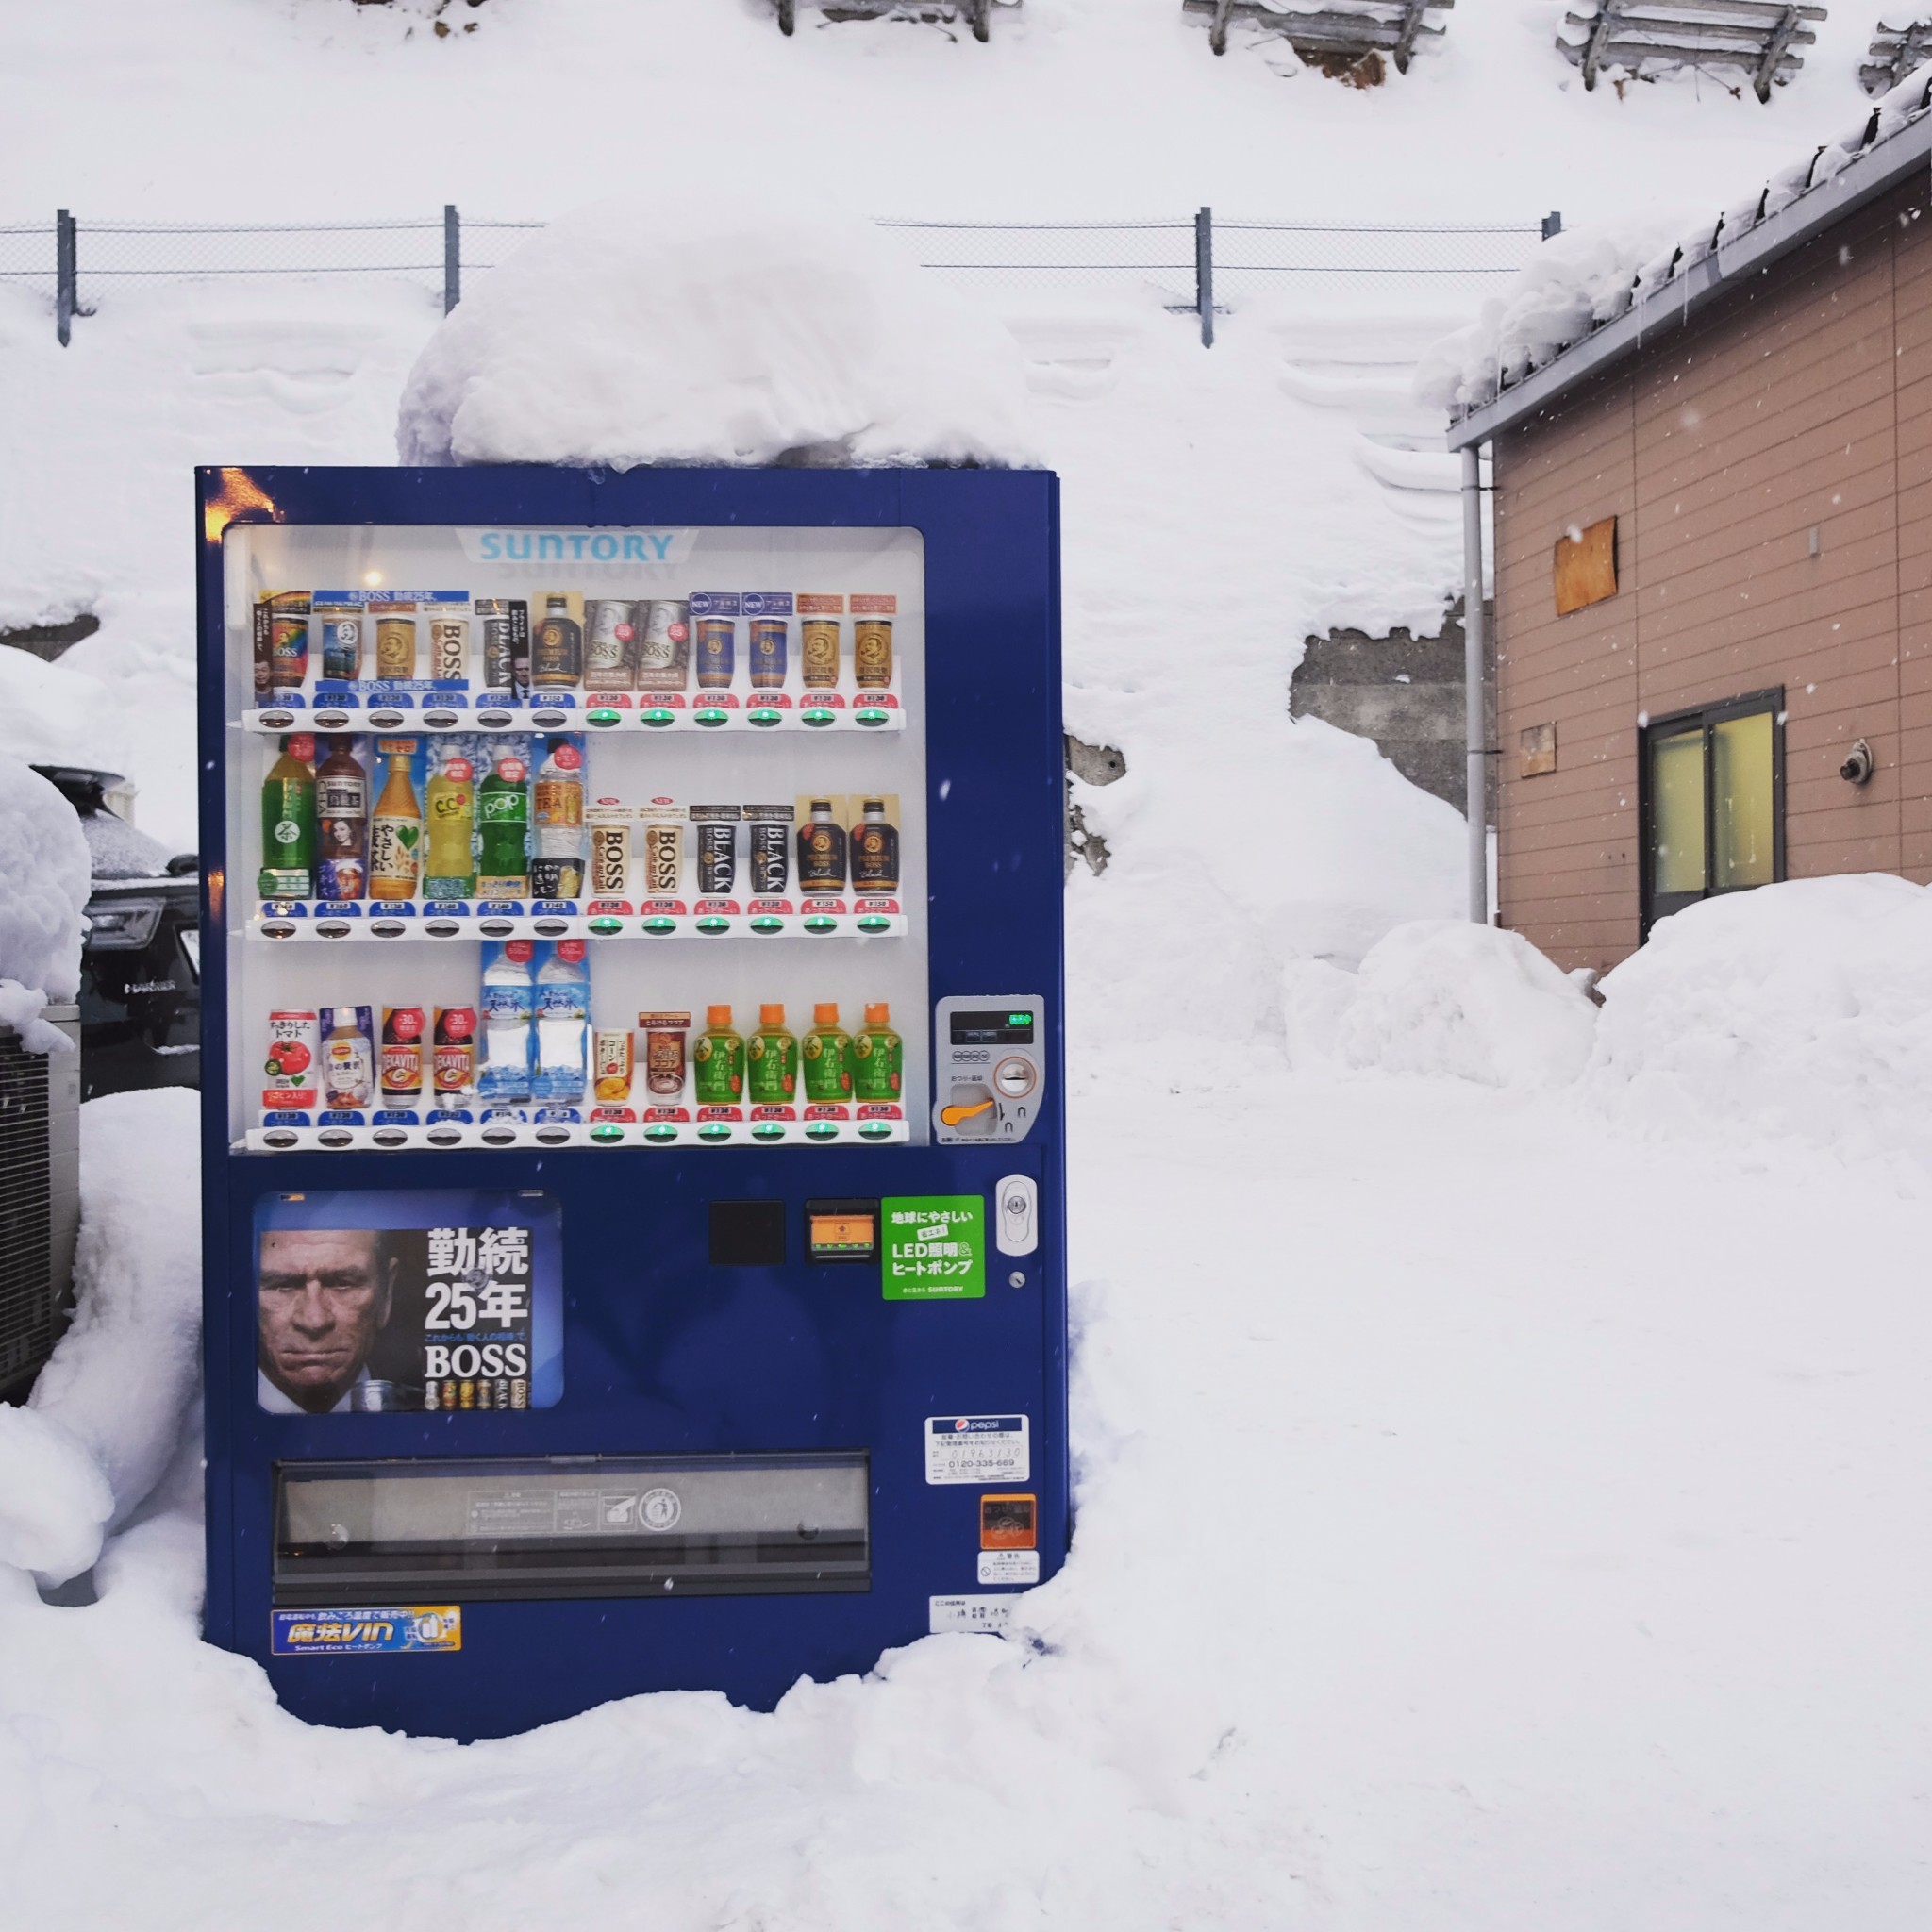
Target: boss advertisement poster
{"x": 424, "y": 1301}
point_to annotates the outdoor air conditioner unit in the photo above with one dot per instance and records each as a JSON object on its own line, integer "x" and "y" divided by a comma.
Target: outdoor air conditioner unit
{"x": 40, "y": 1198}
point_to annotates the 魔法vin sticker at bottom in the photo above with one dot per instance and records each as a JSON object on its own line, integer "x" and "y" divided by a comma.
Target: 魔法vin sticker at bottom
{"x": 435, "y": 1628}
{"x": 408, "y": 1300}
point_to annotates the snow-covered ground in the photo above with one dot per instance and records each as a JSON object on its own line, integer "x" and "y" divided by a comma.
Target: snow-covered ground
{"x": 1486, "y": 1521}
{"x": 1500, "y": 1496}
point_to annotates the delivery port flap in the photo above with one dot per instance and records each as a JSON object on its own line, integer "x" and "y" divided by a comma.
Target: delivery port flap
{"x": 512, "y": 1528}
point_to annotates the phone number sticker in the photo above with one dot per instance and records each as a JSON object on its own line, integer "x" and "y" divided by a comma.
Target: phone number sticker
{"x": 978, "y": 1449}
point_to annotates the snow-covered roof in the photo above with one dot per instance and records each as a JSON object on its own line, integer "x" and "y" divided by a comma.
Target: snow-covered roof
{"x": 1582, "y": 307}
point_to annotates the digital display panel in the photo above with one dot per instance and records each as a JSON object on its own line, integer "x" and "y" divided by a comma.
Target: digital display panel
{"x": 1001, "y": 1028}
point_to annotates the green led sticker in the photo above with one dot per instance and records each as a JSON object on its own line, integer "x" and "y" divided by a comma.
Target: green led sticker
{"x": 933, "y": 1247}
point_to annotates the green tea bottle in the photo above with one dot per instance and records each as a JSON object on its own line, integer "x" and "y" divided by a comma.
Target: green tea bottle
{"x": 827, "y": 1078}
{"x": 287, "y": 821}
{"x": 770, "y": 1062}
{"x": 717, "y": 1061}
{"x": 878, "y": 1056}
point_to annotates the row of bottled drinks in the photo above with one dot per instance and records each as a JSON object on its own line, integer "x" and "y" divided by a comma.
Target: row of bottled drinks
{"x": 504, "y": 818}
{"x": 527, "y": 1050}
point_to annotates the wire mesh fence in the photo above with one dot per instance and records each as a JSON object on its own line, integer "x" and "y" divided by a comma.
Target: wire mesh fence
{"x": 1187, "y": 263}
{"x": 1164, "y": 257}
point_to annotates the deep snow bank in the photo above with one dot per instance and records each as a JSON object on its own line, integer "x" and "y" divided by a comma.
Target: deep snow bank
{"x": 107, "y": 1413}
{"x": 710, "y": 327}
{"x": 1441, "y": 996}
{"x": 1798, "y": 1011}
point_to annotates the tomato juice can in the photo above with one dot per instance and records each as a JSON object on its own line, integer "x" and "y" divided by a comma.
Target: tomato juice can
{"x": 290, "y": 1077}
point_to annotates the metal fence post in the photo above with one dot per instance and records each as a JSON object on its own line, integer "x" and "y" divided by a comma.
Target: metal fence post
{"x": 452, "y": 258}
{"x": 1553, "y": 224}
{"x": 65, "y": 302}
{"x": 1204, "y": 274}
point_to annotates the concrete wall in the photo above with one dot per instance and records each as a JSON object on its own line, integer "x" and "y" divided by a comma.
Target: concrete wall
{"x": 1406, "y": 692}
{"x": 1803, "y": 402}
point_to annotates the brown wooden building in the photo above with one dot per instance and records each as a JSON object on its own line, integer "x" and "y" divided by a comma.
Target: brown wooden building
{"x": 1713, "y": 564}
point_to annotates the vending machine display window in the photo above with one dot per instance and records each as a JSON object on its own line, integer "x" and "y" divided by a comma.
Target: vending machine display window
{"x": 576, "y": 836}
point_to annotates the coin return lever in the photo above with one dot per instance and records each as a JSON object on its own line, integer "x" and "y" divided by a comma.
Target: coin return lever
{"x": 991, "y": 1054}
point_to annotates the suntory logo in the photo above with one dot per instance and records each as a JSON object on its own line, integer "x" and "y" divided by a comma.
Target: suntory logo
{"x": 624, "y": 551}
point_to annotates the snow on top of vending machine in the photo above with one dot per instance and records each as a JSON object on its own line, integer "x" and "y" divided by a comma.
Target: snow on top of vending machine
{"x": 715, "y": 328}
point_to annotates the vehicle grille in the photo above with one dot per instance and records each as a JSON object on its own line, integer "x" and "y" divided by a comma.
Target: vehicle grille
{"x": 37, "y": 1186}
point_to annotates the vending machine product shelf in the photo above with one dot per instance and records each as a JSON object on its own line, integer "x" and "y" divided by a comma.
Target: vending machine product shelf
{"x": 621, "y": 1186}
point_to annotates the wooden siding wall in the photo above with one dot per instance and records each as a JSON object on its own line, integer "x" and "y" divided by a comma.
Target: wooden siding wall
{"x": 1803, "y": 400}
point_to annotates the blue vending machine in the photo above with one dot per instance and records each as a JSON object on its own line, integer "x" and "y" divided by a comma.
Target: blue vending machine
{"x": 633, "y": 1094}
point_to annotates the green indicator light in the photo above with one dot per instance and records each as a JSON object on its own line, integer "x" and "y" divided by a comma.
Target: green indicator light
{"x": 816, "y": 716}
{"x": 871, "y": 717}
{"x": 873, "y": 922}
{"x": 768, "y": 1130}
{"x": 714, "y": 926}
{"x": 711, "y": 717}
{"x": 659, "y": 927}
{"x": 604, "y": 927}
{"x": 606, "y": 1134}
{"x": 764, "y": 716}
{"x": 820, "y": 1130}
{"x": 714, "y": 1130}
{"x": 602, "y": 716}
{"x": 658, "y": 715}
{"x": 1018, "y": 1019}
{"x": 874, "y": 1130}
{"x": 660, "y": 1132}
{"x": 819, "y": 923}
{"x": 767, "y": 923}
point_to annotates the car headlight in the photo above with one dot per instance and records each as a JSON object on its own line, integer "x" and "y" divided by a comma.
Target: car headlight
{"x": 123, "y": 925}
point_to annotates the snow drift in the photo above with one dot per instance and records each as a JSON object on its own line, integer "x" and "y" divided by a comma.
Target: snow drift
{"x": 1443, "y": 996}
{"x": 1800, "y": 1010}
{"x": 107, "y": 1414}
{"x": 688, "y": 329}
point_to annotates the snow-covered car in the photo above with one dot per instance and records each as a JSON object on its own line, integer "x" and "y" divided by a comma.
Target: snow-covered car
{"x": 141, "y": 964}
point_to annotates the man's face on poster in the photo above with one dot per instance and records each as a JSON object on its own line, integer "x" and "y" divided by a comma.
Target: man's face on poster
{"x": 322, "y": 1295}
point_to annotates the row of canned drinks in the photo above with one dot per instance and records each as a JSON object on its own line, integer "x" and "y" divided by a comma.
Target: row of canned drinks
{"x": 337, "y": 644}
